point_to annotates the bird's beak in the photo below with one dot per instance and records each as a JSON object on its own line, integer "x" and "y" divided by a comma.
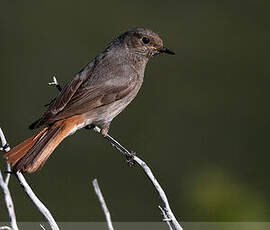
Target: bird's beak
{"x": 162, "y": 50}
{"x": 166, "y": 51}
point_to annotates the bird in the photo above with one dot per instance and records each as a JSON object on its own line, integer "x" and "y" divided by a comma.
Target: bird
{"x": 94, "y": 96}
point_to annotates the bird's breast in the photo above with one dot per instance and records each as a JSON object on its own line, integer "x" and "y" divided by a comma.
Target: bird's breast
{"x": 107, "y": 113}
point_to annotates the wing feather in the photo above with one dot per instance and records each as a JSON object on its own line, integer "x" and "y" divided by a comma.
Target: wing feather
{"x": 88, "y": 99}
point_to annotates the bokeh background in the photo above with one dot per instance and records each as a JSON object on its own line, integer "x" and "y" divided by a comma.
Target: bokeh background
{"x": 201, "y": 120}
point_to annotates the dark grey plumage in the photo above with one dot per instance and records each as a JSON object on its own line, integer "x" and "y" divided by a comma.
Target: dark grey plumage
{"x": 115, "y": 74}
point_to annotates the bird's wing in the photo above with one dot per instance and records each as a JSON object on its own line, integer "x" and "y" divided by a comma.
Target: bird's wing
{"x": 77, "y": 98}
{"x": 66, "y": 94}
{"x": 87, "y": 99}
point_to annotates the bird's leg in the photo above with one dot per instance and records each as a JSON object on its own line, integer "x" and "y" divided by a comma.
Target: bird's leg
{"x": 104, "y": 129}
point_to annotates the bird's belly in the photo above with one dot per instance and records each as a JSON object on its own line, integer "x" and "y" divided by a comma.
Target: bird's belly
{"x": 114, "y": 109}
{"x": 107, "y": 113}
{"x": 101, "y": 115}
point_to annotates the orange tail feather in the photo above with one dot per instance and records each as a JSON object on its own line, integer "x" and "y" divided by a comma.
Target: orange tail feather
{"x": 31, "y": 155}
{"x": 15, "y": 154}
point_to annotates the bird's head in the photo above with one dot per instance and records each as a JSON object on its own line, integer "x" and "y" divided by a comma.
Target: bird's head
{"x": 144, "y": 42}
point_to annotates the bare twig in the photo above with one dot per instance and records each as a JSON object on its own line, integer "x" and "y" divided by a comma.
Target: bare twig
{"x": 9, "y": 203}
{"x": 41, "y": 207}
{"x": 148, "y": 172}
{"x": 166, "y": 206}
{"x": 165, "y": 217}
{"x": 103, "y": 204}
{"x": 8, "y": 174}
{"x": 4, "y": 186}
{"x": 5, "y": 145}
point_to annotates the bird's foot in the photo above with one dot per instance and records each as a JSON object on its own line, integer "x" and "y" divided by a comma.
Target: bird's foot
{"x": 104, "y": 130}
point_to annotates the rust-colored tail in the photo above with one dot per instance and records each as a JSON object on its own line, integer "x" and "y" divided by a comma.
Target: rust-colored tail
{"x": 30, "y": 155}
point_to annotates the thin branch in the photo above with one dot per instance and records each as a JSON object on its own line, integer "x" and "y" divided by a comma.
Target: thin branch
{"x": 165, "y": 217}
{"x": 9, "y": 203}
{"x": 4, "y": 186}
{"x": 8, "y": 174}
{"x": 41, "y": 207}
{"x": 148, "y": 172}
{"x": 103, "y": 204}
{"x": 166, "y": 206}
{"x": 5, "y": 147}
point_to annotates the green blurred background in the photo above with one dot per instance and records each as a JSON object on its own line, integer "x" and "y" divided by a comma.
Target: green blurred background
{"x": 201, "y": 120}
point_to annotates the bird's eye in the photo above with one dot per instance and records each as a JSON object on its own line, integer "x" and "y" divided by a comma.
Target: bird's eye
{"x": 145, "y": 40}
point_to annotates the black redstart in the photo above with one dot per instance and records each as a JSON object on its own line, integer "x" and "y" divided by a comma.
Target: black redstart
{"x": 96, "y": 95}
